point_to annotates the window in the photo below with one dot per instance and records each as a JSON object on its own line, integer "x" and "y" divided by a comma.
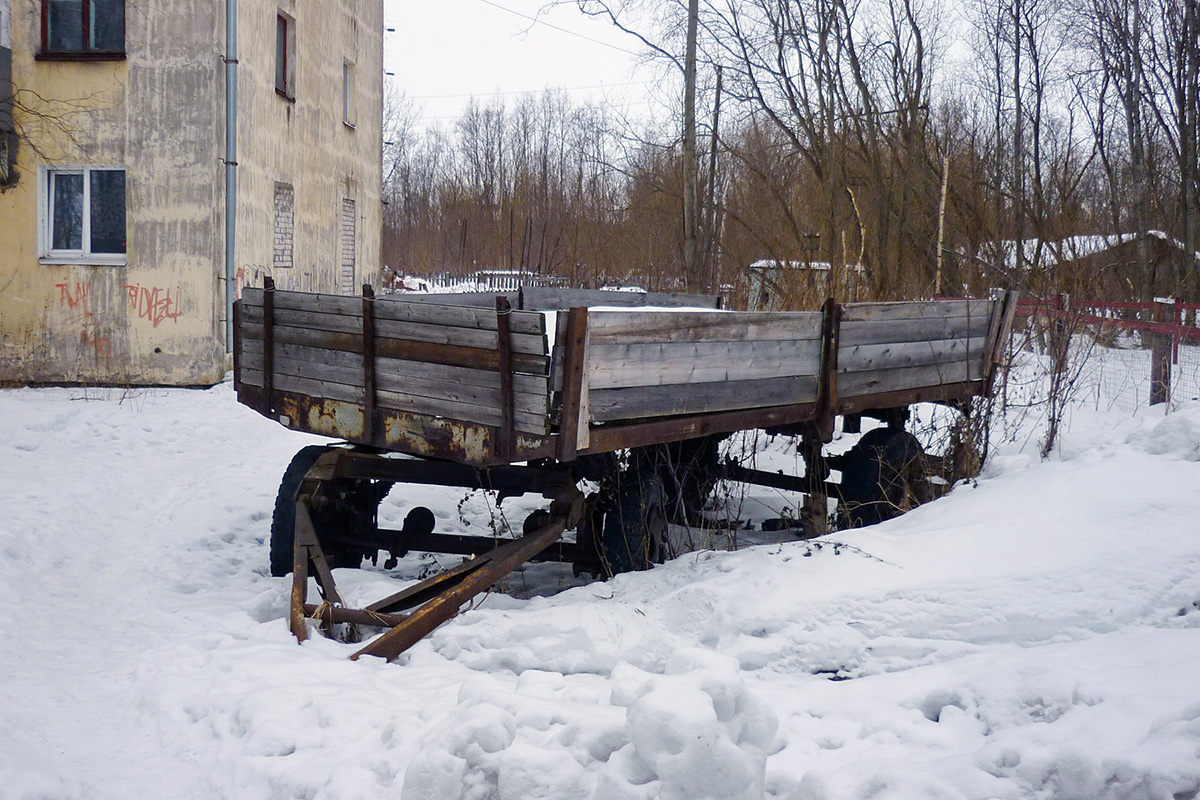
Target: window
{"x": 285, "y": 224}
{"x": 285, "y": 55}
{"x": 83, "y": 28}
{"x": 83, "y": 215}
{"x": 348, "y": 93}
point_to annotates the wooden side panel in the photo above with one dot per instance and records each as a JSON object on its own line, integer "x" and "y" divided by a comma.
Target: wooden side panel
{"x": 538, "y": 298}
{"x": 429, "y": 359}
{"x": 891, "y": 348}
{"x": 646, "y": 364}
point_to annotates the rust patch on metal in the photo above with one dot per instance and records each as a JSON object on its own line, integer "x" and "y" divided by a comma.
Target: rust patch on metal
{"x": 333, "y": 418}
{"x": 438, "y": 438}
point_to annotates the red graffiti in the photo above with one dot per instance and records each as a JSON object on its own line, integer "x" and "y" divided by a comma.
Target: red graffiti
{"x": 98, "y": 341}
{"x": 74, "y": 296}
{"x": 246, "y": 276}
{"x": 154, "y": 303}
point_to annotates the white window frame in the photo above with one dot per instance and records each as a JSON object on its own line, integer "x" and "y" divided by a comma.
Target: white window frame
{"x": 46, "y": 253}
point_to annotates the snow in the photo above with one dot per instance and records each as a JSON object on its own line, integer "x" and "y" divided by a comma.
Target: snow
{"x": 1034, "y": 634}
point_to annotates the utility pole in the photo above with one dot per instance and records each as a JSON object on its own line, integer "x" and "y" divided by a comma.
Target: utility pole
{"x": 711, "y": 243}
{"x": 691, "y": 239}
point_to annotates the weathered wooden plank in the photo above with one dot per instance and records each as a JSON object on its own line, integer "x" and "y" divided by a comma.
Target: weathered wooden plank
{"x": 466, "y": 412}
{"x": 912, "y": 330}
{"x": 401, "y": 369}
{"x": 253, "y": 349}
{"x": 403, "y": 308}
{"x": 618, "y": 366}
{"x": 606, "y": 438}
{"x": 574, "y": 434}
{"x": 926, "y": 394}
{"x": 319, "y": 320}
{"x": 628, "y": 327}
{"x": 471, "y": 357}
{"x": 866, "y": 357}
{"x": 904, "y": 378}
{"x": 556, "y": 366}
{"x": 313, "y": 370}
{"x": 535, "y": 404}
{"x": 484, "y": 300}
{"x": 699, "y": 398}
{"x": 545, "y": 298}
{"x": 915, "y": 309}
{"x": 530, "y": 344}
{"x": 532, "y": 402}
{"x": 329, "y": 340}
{"x": 330, "y": 390}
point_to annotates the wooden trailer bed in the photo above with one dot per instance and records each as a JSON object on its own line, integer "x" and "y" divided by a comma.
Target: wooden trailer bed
{"x": 483, "y": 386}
{"x": 526, "y": 392}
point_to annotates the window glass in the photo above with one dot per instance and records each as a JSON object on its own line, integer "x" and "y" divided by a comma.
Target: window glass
{"x": 281, "y": 53}
{"x": 108, "y": 24}
{"x": 66, "y": 200}
{"x": 65, "y": 21}
{"x": 83, "y": 216}
{"x": 108, "y": 211}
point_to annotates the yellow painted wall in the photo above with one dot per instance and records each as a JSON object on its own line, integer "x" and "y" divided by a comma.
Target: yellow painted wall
{"x": 160, "y": 113}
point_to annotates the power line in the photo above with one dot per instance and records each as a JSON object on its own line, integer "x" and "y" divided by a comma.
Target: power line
{"x": 538, "y": 21}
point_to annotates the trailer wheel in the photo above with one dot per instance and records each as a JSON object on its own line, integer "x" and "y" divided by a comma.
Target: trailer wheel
{"x": 354, "y": 511}
{"x": 283, "y": 520}
{"x": 634, "y": 530}
{"x": 885, "y": 474}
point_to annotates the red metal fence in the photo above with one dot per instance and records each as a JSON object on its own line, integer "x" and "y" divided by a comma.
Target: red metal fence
{"x": 1162, "y": 326}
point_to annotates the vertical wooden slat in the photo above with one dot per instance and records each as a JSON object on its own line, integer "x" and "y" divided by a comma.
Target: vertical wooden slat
{"x": 1160, "y": 355}
{"x": 815, "y": 510}
{"x": 237, "y": 345}
{"x": 368, "y": 308}
{"x": 827, "y": 390}
{"x": 269, "y": 343}
{"x": 998, "y": 331}
{"x": 573, "y": 434}
{"x": 506, "y": 446}
{"x": 299, "y": 571}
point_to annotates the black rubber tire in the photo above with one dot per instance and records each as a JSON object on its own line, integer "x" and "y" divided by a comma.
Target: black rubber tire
{"x": 883, "y": 476}
{"x": 634, "y": 530}
{"x": 283, "y": 520}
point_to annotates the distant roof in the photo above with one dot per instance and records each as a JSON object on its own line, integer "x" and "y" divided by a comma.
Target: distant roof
{"x": 1074, "y": 248}
{"x": 813, "y": 266}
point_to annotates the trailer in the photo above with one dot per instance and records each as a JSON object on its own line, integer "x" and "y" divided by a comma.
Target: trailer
{"x": 609, "y": 405}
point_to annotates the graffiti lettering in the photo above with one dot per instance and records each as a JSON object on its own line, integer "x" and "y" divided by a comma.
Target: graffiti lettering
{"x": 74, "y": 296}
{"x": 248, "y": 275}
{"x": 154, "y": 303}
{"x": 101, "y": 343}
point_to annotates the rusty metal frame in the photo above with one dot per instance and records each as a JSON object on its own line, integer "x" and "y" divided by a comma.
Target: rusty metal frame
{"x": 435, "y": 599}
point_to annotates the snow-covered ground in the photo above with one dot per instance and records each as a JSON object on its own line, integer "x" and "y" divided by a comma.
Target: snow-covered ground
{"x": 1035, "y": 634}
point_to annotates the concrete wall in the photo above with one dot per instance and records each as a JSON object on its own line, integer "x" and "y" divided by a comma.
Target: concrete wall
{"x": 157, "y": 113}
{"x": 305, "y": 144}
{"x": 159, "y": 319}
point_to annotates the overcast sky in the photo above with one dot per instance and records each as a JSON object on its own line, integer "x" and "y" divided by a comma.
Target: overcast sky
{"x": 443, "y": 51}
